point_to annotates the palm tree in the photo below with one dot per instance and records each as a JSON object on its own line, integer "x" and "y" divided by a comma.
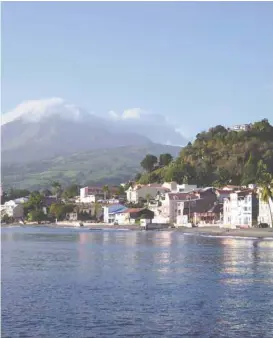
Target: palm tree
{"x": 57, "y": 188}
{"x": 265, "y": 181}
{"x": 266, "y": 193}
{"x": 105, "y": 189}
{"x": 148, "y": 197}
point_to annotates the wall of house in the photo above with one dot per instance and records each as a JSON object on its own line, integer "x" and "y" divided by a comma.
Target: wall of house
{"x": 141, "y": 193}
{"x": 240, "y": 211}
{"x": 17, "y": 212}
{"x": 264, "y": 212}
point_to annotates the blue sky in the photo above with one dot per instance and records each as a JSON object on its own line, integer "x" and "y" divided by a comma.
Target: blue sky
{"x": 199, "y": 64}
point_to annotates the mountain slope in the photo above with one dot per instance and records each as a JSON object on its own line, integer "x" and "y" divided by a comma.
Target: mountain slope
{"x": 41, "y": 129}
{"x": 221, "y": 156}
{"x": 101, "y": 166}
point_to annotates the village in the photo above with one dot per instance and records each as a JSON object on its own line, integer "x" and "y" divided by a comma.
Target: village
{"x": 161, "y": 205}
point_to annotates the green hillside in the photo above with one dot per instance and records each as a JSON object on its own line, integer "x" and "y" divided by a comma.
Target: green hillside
{"x": 220, "y": 156}
{"x": 108, "y": 166}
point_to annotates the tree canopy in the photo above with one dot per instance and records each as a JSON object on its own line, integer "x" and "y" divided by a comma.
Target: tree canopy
{"x": 148, "y": 162}
{"x": 220, "y": 156}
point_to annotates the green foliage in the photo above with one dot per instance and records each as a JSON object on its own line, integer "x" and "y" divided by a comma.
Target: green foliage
{"x": 148, "y": 162}
{"x": 36, "y": 216}
{"x": 7, "y": 219}
{"x": 59, "y": 210}
{"x": 12, "y": 194}
{"x": 219, "y": 157}
{"x": 70, "y": 191}
{"x": 96, "y": 167}
{"x": 35, "y": 201}
{"x": 165, "y": 159}
{"x": 121, "y": 190}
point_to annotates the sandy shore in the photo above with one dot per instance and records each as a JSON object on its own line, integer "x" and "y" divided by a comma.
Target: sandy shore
{"x": 207, "y": 231}
{"x": 216, "y": 231}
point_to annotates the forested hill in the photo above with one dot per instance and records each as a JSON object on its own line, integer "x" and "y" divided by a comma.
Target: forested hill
{"x": 220, "y": 156}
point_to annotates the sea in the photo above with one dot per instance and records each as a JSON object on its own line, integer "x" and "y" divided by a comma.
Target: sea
{"x": 81, "y": 283}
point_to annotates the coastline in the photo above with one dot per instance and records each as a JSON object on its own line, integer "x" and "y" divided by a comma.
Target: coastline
{"x": 210, "y": 231}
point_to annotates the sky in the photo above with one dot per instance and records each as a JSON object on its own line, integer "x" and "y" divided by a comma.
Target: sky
{"x": 198, "y": 64}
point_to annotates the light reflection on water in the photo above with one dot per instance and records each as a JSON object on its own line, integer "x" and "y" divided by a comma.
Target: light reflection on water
{"x": 80, "y": 283}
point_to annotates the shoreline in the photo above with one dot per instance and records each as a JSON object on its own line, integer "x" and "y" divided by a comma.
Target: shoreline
{"x": 210, "y": 231}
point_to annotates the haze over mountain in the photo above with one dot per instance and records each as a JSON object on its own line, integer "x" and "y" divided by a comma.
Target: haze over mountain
{"x": 41, "y": 129}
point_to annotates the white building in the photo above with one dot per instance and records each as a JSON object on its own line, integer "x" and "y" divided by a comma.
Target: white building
{"x": 174, "y": 187}
{"x": 240, "y": 209}
{"x": 134, "y": 194}
{"x": 265, "y": 212}
{"x": 13, "y": 209}
{"x": 241, "y": 127}
{"x": 90, "y": 194}
{"x": 166, "y": 211}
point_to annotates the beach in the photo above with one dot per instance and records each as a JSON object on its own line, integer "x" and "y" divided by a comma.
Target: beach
{"x": 205, "y": 231}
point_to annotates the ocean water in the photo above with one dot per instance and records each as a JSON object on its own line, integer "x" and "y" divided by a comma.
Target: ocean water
{"x": 82, "y": 283}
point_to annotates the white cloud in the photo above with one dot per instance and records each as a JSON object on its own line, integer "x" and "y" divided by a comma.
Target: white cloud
{"x": 128, "y": 114}
{"x": 157, "y": 127}
{"x": 35, "y": 110}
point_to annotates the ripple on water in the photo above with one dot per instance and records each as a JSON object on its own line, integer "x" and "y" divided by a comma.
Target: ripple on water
{"x": 67, "y": 283}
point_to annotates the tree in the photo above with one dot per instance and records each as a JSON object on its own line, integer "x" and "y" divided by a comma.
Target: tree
{"x": 105, "y": 189}
{"x": 36, "y": 216}
{"x": 148, "y": 162}
{"x": 148, "y": 198}
{"x": 266, "y": 187}
{"x": 46, "y": 192}
{"x": 70, "y": 191}
{"x": 59, "y": 211}
{"x": 35, "y": 201}
{"x": 165, "y": 159}
{"x": 57, "y": 188}
{"x": 137, "y": 177}
{"x": 250, "y": 171}
{"x": 121, "y": 190}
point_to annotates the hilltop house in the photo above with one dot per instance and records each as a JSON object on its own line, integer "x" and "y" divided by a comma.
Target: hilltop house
{"x": 240, "y": 209}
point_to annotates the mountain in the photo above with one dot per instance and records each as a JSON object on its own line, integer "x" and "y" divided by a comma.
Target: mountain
{"x": 101, "y": 166}
{"x": 43, "y": 129}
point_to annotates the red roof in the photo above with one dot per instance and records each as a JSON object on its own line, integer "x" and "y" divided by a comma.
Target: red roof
{"x": 133, "y": 210}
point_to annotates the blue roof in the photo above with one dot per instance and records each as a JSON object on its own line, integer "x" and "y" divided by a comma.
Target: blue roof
{"x": 114, "y": 209}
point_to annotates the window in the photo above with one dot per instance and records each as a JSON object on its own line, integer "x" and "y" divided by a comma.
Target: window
{"x": 179, "y": 212}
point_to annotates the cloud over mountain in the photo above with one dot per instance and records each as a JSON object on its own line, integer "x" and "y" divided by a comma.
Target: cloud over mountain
{"x": 150, "y": 125}
{"x": 36, "y": 110}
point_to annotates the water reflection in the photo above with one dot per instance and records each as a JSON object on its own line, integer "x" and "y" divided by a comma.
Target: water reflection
{"x": 134, "y": 283}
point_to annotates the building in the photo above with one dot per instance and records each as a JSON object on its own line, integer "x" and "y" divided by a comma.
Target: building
{"x": 241, "y": 127}
{"x": 265, "y": 212}
{"x": 13, "y": 209}
{"x": 109, "y": 212}
{"x": 90, "y": 194}
{"x": 174, "y": 187}
{"x": 131, "y": 215}
{"x": 71, "y": 216}
{"x": 198, "y": 207}
{"x": 240, "y": 209}
{"x": 142, "y": 192}
{"x": 222, "y": 194}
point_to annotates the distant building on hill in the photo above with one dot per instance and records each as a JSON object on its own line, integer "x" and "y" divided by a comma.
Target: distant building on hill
{"x": 240, "y": 127}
